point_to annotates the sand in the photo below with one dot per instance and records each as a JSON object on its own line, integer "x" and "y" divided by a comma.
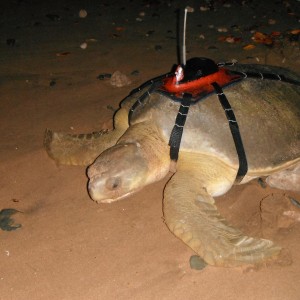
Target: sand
{"x": 72, "y": 248}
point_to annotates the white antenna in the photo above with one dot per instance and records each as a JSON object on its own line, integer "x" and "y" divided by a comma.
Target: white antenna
{"x": 186, "y": 10}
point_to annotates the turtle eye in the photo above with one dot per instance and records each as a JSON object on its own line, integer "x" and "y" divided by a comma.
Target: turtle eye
{"x": 113, "y": 183}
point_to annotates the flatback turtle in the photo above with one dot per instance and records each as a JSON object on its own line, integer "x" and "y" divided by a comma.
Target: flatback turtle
{"x": 137, "y": 152}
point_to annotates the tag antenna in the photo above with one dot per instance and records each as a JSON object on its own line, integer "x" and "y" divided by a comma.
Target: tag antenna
{"x": 186, "y": 10}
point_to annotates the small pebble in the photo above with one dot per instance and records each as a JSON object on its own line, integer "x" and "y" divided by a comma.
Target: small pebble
{"x": 119, "y": 79}
{"x": 222, "y": 29}
{"x": 104, "y": 76}
{"x": 197, "y": 263}
{"x": 271, "y": 21}
{"x": 83, "y": 45}
{"x": 204, "y": 8}
{"x": 158, "y": 47}
{"x": 82, "y": 13}
{"x": 230, "y": 40}
{"x": 52, "y": 83}
{"x": 135, "y": 72}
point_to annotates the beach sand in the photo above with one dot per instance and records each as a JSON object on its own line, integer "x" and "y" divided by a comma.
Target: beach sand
{"x": 69, "y": 247}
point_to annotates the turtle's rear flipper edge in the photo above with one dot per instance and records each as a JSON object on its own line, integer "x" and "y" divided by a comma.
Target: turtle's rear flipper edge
{"x": 76, "y": 149}
{"x": 83, "y": 149}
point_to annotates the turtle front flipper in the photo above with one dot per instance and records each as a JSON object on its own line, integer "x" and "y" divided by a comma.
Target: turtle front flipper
{"x": 190, "y": 213}
{"x": 83, "y": 149}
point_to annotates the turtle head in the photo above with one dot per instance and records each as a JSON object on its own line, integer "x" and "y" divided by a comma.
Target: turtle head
{"x": 118, "y": 172}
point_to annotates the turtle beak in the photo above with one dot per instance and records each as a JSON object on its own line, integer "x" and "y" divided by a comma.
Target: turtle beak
{"x": 94, "y": 186}
{"x": 106, "y": 190}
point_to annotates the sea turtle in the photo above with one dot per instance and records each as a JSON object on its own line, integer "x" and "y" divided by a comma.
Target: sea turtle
{"x": 137, "y": 153}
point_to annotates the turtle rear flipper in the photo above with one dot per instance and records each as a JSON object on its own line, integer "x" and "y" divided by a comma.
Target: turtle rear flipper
{"x": 190, "y": 213}
{"x": 73, "y": 149}
{"x": 83, "y": 149}
{"x": 288, "y": 179}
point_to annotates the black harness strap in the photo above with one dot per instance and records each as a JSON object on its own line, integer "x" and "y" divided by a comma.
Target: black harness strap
{"x": 269, "y": 76}
{"x": 177, "y": 130}
{"x": 141, "y": 99}
{"x": 235, "y": 132}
